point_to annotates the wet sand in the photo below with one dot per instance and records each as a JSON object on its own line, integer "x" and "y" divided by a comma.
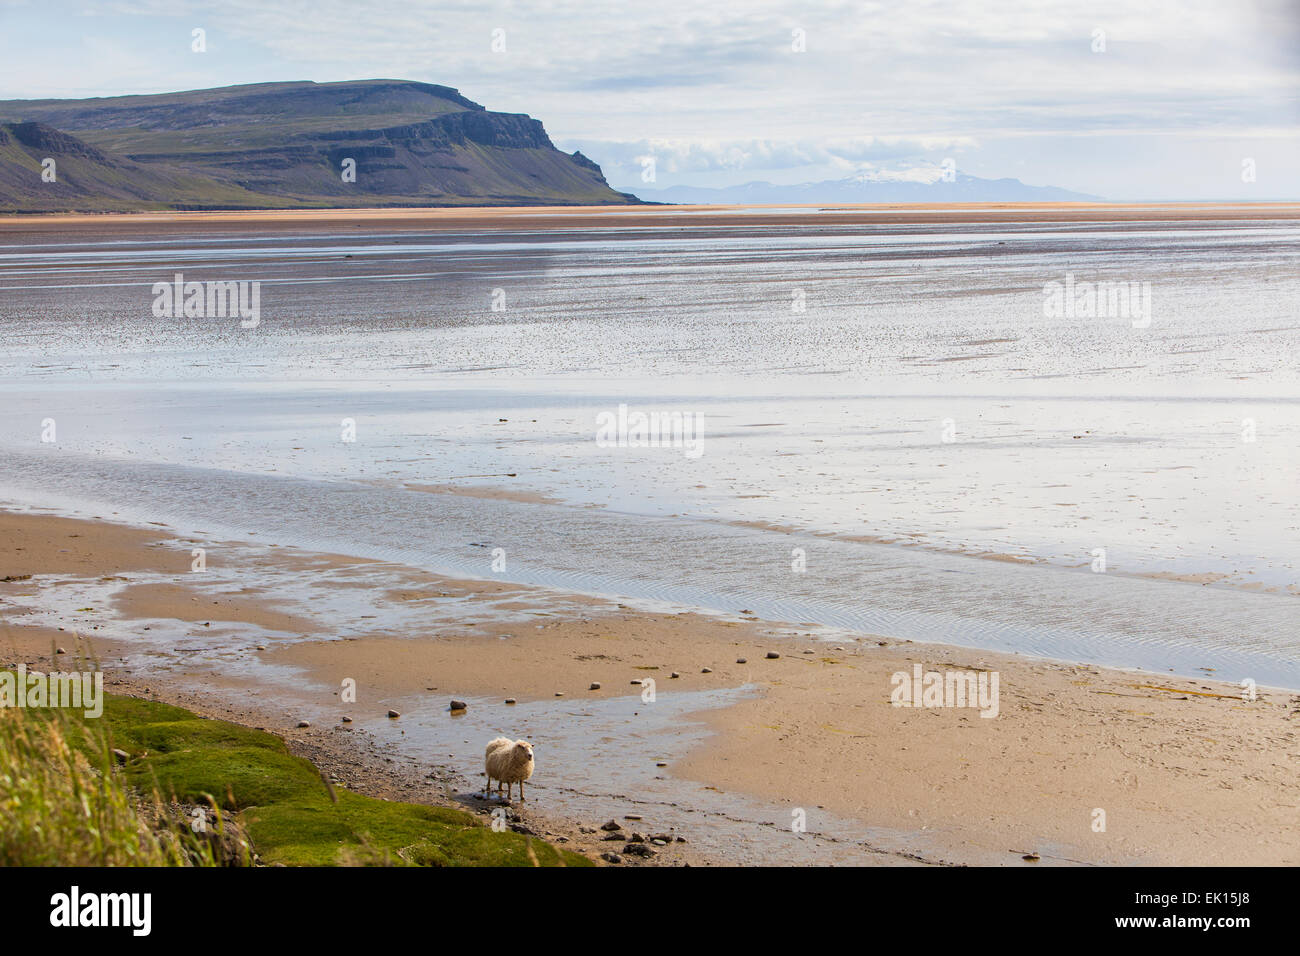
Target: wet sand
{"x": 1185, "y": 771}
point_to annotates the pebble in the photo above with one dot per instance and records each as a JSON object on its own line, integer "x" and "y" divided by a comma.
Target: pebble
{"x": 60, "y": 651}
{"x": 459, "y": 705}
{"x": 611, "y": 826}
{"x": 772, "y": 655}
{"x": 707, "y": 670}
{"x": 303, "y": 723}
{"x": 611, "y": 858}
{"x": 121, "y": 755}
{"x": 674, "y": 675}
{"x": 510, "y": 700}
{"x": 347, "y": 720}
{"x": 394, "y": 714}
{"x": 741, "y": 660}
{"x": 595, "y": 685}
{"x": 558, "y": 694}
{"x": 638, "y": 849}
{"x": 631, "y": 816}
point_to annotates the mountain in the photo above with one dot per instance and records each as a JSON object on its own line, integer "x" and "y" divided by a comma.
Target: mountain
{"x": 860, "y": 189}
{"x": 285, "y": 145}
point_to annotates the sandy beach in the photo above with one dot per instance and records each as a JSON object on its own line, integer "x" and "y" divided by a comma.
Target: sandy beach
{"x": 548, "y": 218}
{"x": 1186, "y": 771}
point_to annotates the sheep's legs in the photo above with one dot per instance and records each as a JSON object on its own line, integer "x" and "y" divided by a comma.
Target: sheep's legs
{"x": 521, "y": 791}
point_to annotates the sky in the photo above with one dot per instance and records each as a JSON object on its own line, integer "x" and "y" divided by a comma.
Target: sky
{"x": 1126, "y": 99}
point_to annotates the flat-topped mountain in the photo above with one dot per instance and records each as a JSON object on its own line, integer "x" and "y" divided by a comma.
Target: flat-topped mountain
{"x": 285, "y": 145}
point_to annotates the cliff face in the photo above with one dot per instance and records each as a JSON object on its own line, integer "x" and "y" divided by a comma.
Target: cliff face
{"x": 278, "y": 145}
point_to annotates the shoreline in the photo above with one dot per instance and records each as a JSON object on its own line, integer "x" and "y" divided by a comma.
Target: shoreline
{"x": 1181, "y": 774}
{"x": 544, "y": 218}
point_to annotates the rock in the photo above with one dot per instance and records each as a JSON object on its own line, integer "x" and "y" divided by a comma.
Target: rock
{"x": 459, "y": 705}
{"x": 638, "y": 849}
{"x": 558, "y": 694}
{"x": 636, "y": 838}
{"x": 631, "y": 816}
{"x": 595, "y": 685}
{"x": 659, "y": 842}
{"x": 674, "y": 675}
{"x": 741, "y": 660}
{"x": 510, "y": 700}
{"x": 706, "y": 670}
{"x": 608, "y": 837}
{"x": 303, "y": 723}
{"x": 611, "y": 826}
{"x": 60, "y": 651}
{"x": 121, "y": 755}
{"x": 772, "y": 655}
{"x": 347, "y": 720}
{"x": 636, "y": 681}
{"x": 393, "y": 715}
{"x": 611, "y": 858}
{"x": 661, "y": 763}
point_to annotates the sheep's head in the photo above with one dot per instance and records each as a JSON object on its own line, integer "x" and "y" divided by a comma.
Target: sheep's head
{"x": 523, "y": 752}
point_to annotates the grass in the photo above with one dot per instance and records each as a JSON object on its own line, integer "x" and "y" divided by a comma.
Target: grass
{"x": 289, "y": 814}
{"x": 61, "y": 804}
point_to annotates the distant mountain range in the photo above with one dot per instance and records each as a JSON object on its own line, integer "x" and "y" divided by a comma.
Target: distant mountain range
{"x": 860, "y": 189}
{"x": 284, "y": 145}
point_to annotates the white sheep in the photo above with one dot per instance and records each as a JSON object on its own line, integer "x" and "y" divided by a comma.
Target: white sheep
{"x": 508, "y": 761}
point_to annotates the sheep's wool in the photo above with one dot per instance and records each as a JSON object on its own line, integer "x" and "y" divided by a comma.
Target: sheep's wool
{"x": 510, "y": 761}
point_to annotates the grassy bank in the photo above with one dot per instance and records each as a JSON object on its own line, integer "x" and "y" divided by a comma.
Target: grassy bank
{"x": 62, "y": 788}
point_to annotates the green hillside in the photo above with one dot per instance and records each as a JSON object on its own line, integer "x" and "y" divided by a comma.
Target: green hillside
{"x": 285, "y": 145}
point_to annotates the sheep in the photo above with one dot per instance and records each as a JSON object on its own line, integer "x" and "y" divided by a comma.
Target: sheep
{"x": 508, "y": 762}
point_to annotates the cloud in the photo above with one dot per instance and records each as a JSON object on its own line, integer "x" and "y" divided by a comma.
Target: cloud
{"x": 679, "y": 156}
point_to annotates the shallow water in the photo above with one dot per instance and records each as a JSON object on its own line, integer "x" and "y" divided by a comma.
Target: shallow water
{"x": 1068, "y": 435}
